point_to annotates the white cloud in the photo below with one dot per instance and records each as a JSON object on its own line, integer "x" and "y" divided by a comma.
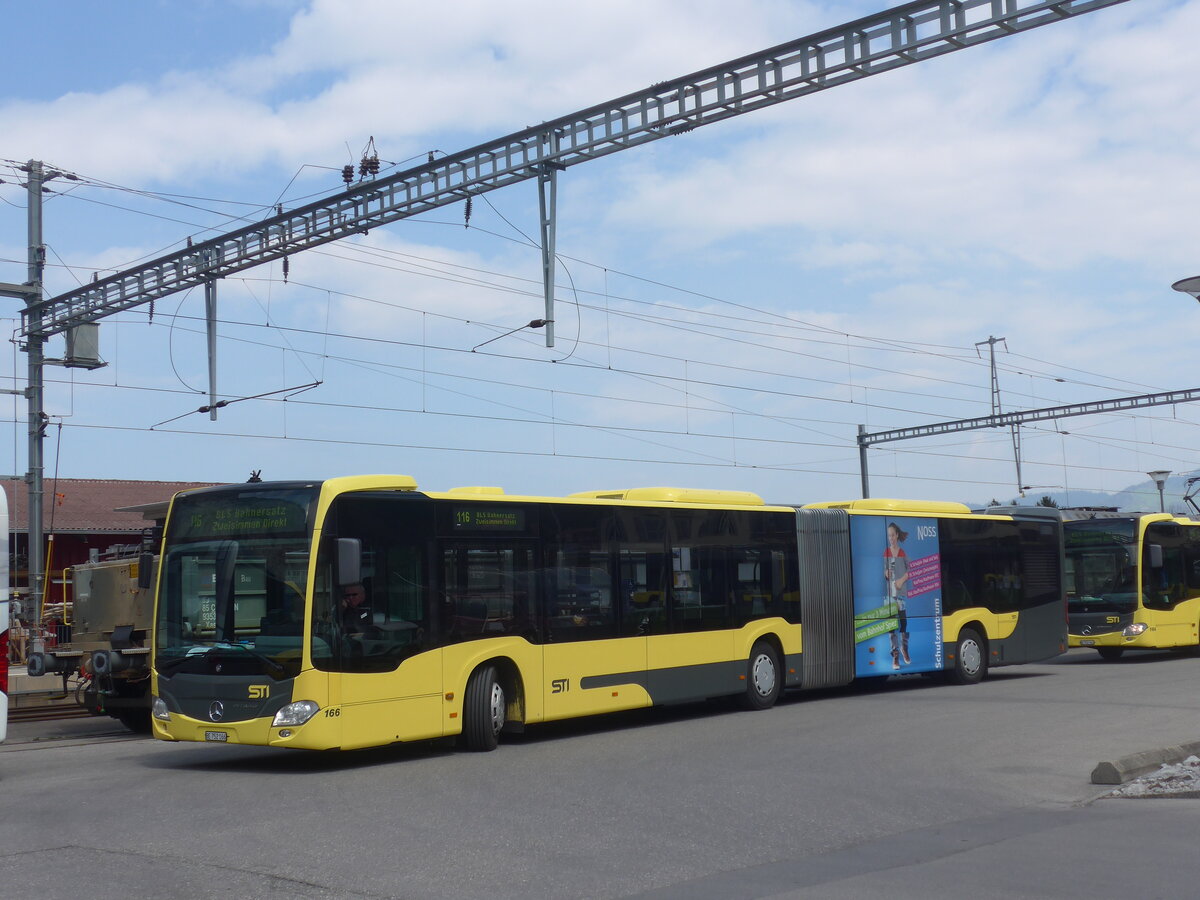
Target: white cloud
{"x": 400, "y": 72}
{"x": 1031, "y": 154}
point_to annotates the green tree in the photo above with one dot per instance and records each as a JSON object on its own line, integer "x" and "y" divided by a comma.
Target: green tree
{"x": 1047, "y": 500}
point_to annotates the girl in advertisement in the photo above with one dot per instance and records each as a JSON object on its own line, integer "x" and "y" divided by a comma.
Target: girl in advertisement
{"x": 895, "y": 571}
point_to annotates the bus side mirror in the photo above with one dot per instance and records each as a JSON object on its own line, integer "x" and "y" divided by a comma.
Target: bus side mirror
{"x": 349, "y": 561}
{"x": 1155, "y": 554}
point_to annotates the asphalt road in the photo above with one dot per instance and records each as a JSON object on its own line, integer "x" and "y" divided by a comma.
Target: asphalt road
{"x": 914, "y": 790}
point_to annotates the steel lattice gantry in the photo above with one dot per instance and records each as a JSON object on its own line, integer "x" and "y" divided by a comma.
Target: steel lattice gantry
{"x": 897, "y": 37}
{"x": 999, "y": 420}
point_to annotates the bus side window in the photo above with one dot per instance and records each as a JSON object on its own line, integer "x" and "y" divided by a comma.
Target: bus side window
{"x": 643, "y": 566}
{"x": 700, "y": 588}
{"x": 579, "y": 595}
{"x": 486, "y": 589}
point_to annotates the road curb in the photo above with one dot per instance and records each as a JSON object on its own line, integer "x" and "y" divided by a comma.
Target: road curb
{"x": 1130, "y": 767}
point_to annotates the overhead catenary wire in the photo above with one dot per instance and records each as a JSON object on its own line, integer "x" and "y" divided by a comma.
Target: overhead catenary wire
{"x": 622, "y": 429}
{"x": 897, "y": 347}
{"x": 1109, "y": 469}
{"x": 639, "y": 374}
{"x": 643, "y": 375}
{"x": 491, "y": 451}
{"x": 779, "y": 318}
{"x": 910, "y": 452}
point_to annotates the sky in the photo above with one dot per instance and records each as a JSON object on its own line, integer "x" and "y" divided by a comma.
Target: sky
{"x": 732, "y": 304}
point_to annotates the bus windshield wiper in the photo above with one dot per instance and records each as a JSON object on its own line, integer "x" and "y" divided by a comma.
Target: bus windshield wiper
{"x": 262, "y": 657}
{"x": 170, "y": 665}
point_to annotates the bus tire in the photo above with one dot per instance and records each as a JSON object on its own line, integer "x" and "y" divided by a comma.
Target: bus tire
{"x": 970, "y": 659}
{"x": 483, "y": 710}
{"x": 764, "y": 677}
{"x": 1110, "y": 653}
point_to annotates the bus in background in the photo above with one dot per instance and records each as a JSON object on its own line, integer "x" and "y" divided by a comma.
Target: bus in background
{"x": 4, "y": 616}
{"x": 360, "y": 611}
{"x": 1133, "y": 580}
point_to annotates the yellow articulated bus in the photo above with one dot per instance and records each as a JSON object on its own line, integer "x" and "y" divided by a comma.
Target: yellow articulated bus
{"x": 1133, "y": 581}
{"x": 360, "y": 611}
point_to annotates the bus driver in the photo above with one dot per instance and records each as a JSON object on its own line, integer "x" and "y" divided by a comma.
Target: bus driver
{"x": 355, "y": 612}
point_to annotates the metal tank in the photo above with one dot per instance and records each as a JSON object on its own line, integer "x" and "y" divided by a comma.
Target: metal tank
{"x": 109, "y": 647}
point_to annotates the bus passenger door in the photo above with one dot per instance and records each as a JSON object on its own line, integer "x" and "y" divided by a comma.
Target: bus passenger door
{"x": 691, "y": 655}
{"x": 380, "y": 697}
{"x": 1164, "y": 586}
{"x": 488, "y": 590}
{"x": 385, "y": 661}
{"x": 594, "y": 658}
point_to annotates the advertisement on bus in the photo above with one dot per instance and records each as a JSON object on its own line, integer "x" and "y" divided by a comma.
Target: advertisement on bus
{"x": 897, "y": 595}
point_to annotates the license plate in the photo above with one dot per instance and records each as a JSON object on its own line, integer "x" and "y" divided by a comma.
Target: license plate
{"x": 1088, "y": 643}
{"x": 216, "y": 736}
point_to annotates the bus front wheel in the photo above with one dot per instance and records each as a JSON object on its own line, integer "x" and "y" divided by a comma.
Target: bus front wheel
{"x": 764, "y": 677}
{"x": 1110, "y": 653}
{"x": 970, "y": 659}
{"x": 483, "y": 710}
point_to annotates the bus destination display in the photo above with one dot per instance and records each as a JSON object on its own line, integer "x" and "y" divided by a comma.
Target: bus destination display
{"x": 206, "y": 517}
{"x": 484, "y": 518}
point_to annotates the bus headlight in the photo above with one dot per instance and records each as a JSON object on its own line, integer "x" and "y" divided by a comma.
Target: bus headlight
{"x": 1134, "y": 629}
{"x": 158, "y": 709}
{"x": 295, "y": 713}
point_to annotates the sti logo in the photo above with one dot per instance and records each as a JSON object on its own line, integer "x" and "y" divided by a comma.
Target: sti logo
{"x": 560, "y": 685}
{"x": 259, "y": 691}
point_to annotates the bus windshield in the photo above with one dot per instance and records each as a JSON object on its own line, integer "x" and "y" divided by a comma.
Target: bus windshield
{"x": 234, "y": 572}
{"x": 1101, "y": 565}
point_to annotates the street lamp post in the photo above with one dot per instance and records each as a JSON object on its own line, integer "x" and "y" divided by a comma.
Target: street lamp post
{"x": 1159, "y": 477}
{"x": 1188, "y": 286}
{"x": 1191, "y": 287}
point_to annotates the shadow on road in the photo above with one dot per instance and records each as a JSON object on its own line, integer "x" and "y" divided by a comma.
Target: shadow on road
{"x": 1086, "y": 657}
{"x": 234, "y": 758}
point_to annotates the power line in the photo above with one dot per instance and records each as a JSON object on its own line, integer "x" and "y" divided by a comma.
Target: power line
{"x": 450, "y": 448}
{"x": 787, "y": 321}
{"x": 655, "y": 376}
{"x": 617, "y": 429}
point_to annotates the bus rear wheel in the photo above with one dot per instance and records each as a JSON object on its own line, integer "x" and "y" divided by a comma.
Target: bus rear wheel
{"x": 970, "y": 659}
{"x": 764, "y": 677}
{"x": 1110, "y": 653}
{"x": 483, "y": 710}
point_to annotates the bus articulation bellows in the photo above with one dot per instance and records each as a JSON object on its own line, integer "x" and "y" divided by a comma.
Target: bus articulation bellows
{"x": 1133, "y": 581}
{"x": 361, "y": 611}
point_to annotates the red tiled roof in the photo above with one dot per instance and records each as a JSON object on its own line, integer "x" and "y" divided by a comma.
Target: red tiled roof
{"x": 88, "y": 505}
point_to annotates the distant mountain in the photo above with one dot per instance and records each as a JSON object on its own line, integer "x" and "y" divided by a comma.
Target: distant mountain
{"x": 1140, "y": 497}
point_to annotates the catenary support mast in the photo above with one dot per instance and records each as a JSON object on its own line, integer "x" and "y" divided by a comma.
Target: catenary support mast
{"x": 34, "y": 347}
